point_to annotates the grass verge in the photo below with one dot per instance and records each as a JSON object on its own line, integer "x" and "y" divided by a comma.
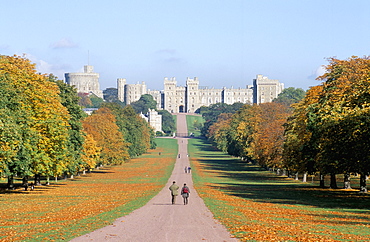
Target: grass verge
{"x": 71, "y": 208}
{"x": 257, "y": 205}
{"x": 191, "y": 120}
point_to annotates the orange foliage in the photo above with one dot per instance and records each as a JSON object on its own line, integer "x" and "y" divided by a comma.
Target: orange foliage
{"x": 102, "y": 126}
{"x": 269, "y": 138}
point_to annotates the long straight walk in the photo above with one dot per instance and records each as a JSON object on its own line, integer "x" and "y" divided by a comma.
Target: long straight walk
{"x": 159, "y": 220}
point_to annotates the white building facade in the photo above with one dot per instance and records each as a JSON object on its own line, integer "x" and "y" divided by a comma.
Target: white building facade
{"x": 192, "y": 96}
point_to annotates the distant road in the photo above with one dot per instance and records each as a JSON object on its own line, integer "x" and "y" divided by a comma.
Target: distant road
{"x": 159, "y": 220}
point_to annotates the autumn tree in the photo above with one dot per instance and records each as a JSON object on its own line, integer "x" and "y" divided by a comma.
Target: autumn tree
{"x": 211, "y": 113}
{"x": 89, "y": 100}
{"x": 135, "y": 130}
{"x": 339, "y": 120}
{"x": 36, "y": 111}
{"x": 70, "y": 99}
{"x": 218, "y": 132}
{"x": 101, "y": 125}
{"x": 299, "y": 154}
{"x": 90, "y": 154}
{"x": 267, "y": 144}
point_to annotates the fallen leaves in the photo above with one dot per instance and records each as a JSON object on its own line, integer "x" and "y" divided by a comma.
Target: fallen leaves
{"x": 71, "y": 208}
{"x": 259, "y": 220}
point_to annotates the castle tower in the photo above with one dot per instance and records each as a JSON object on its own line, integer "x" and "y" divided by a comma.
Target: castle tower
{"x": 192, "y": 95}
{"x": 265, "y": 90}
{"x": 133, "y": 92}
{"x": 169, "y": 102}
{"x": 121, "y": 82}
{"x": 86, "y": 82}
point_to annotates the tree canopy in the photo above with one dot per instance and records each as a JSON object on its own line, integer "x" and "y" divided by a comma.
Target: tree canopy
{"x": 145, "y": 103}
{"x": 290, "y": 95}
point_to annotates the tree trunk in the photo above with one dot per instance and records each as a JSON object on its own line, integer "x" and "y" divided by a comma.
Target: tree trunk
{"x": 322, "y": 181}
{"x": 304, "y": 177}
{"x": 25, "y": 181}
{"x": 288, "y": 174}
{"x": 363, "y": 187}
{"x": 56, "y": 178}
{"x": 37, "y": 179}
{"x": 296, "y": 176}
{"x": 347, "y": 181}
{"x": 284, "y": 172}
{"x": 10, "y": 184}
{"x": 47, "y": 181}
{"x": 333, "y": 181}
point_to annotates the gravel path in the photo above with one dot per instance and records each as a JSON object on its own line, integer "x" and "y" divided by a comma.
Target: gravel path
{"x": 159, "y": 220}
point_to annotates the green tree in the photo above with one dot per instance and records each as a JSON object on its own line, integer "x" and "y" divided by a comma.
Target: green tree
{"x": 135, "y": 129}
{"x": 290, "y": 95}
{"x": 70, "y": 99}
{"x": 145, "y": 103}
{"x": 96, "y": 101}
{"x": 339, "y": 120}
{"x": 211, "y": 113}
{"x": 111, "y": 95}
{"x": 40, "y": 116}
{"x": 168, "y": 122}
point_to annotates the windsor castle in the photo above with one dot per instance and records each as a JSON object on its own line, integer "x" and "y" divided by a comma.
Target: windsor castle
{"x": 176, "y": 98}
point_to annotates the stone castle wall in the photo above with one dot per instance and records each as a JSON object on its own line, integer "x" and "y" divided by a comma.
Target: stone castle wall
{"x": 174, "y": 98}
{"x": 85, "y": 82}
{"x": 192, "y": 96}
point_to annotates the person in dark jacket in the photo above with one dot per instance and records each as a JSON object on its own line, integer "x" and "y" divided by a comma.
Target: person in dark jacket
{"x": 185, "y": 191}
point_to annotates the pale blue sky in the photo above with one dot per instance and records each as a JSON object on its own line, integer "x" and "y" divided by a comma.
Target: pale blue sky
{"x": 222, "y": 42}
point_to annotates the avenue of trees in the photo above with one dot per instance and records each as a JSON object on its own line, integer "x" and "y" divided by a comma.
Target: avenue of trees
{"x": 325, "y": 132}
{"x": 44, "y": 132}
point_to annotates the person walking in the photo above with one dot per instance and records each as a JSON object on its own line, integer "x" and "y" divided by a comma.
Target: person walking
{"x": 189, "y": 169}
{"x": 185, "y": 193}
{"x": 173, "y": 188}
{"x": 186, "y": 169}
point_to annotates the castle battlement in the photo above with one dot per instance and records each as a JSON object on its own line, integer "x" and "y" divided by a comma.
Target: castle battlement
{"x": 190, "y": 97}
{"x": 175, "y": 98}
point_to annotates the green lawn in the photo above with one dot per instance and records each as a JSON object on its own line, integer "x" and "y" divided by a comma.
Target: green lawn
{"x": 245, "y": 197}
{"x": 190, "y": 120}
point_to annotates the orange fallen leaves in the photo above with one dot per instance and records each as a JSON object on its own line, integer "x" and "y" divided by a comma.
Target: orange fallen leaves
{"x": 248, "y": 220}
{"x": 54, "y": 208}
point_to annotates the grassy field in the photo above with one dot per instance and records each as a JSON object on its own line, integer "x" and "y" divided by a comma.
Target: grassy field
{"x": 258, "y": 205}
{"x": 190, "y": 119}
{"x": 71, "y": 208}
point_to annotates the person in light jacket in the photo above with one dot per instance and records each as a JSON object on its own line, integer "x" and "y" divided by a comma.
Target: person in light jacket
{"x": 173, "y": 188}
